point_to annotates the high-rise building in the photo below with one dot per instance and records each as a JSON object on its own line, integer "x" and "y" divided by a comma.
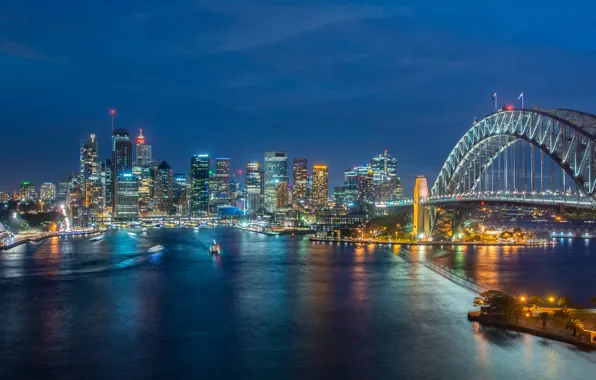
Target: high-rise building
{"x": 383, "y": 166}
{"x": 127, "y": 197}
{"x": 282, "y": 195}
{"x": 121, "y": 160}
{"x": 320, "y": 186}
{"x": 27, "y": 192}
{"x": 143, "y": 152}
{"x": 180, "y": 193}
{"x": 47, "y": 192}
{"x": 163, "y": 184}
{"x": 108, "y": 185}
{"x": 62, "y": 191}
{"x": 254, "y": 187}
{"x": 276, "y": 171}
{"x": 299, "y": 195}
{"x": 145, "y": 181}
{"x": 199, "y": 184}
{"x": 219, "y": 184}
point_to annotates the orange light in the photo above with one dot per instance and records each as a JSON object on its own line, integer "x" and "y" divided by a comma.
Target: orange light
{"x": 509, "y": 107}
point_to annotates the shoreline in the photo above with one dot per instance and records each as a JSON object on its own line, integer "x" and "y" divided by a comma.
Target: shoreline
{"x": 432, "y": 243}
{"x": 36, "y": 239}
{"x": 475, "y": 316}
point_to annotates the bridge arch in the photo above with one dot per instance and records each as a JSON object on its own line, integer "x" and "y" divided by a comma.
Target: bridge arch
{"x": 565, "y": 136}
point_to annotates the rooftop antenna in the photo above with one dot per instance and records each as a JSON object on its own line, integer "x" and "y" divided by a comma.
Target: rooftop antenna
{"x": 113, "y": 114}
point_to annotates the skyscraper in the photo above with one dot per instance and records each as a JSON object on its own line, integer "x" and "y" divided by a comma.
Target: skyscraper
{"x": 127, "y": 197}
{"x": 320, "y": 186}
{"x": 143, "y": 151}
{"x": 199, "y": 184}
{"x": 90, "y": 179}
{"x": 108, "y": 176}
{"x": 27, "y": 192}
{"x": 276, "y": 171}
{"x": 254, "y": 186}
{"x": 121, "y": 160}
{"x": 219, "y": 185}
{"x": 383, "y": 166}
{"x": 163, "y": 183}
{"x": 299, "y": 196}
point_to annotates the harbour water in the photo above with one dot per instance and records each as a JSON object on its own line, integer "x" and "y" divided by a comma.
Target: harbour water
{"x": 271, "y": 307}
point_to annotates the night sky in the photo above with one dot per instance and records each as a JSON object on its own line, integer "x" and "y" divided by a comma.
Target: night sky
{"x": 336, "y": 82}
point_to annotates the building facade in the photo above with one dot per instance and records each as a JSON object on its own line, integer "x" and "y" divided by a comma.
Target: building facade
{"x": 143, "y": 150}
{"x": 276, "y": 172}
{"x": 320, "y": 186}
{"x": 127, "y": 197}
{"x": 299, "y": 191}
{"x": 47, "y": 192}
{"x": 199, "y": 184}
{"x": 254, "y": 187}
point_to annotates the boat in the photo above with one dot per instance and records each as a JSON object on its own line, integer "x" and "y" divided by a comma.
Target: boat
{"x": 214, "y": 248}
{"x": 293, "y": 236}
{"x": 131, "y": 234}
{"x": 196, "y": 229}
{"x": 144, "y": 229}
{"x": 156, "y": 248}
{"x": 98, "y": 237}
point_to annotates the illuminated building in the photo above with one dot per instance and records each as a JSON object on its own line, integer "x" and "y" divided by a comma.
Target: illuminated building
{"x": 127, "y": 197}
{"x": 219, "y": 183}
{"x": 27, "y": 192}
{"x": 199, "y": 184}
{"x": 121, "y": 160}
{"x": 180, "y": 194}
{"x": 163, "y": 187}
{"x": 383, "y": 166}
{"x": 145, "y": 184}
{"x": 5, "y": 197}
{"x": 320, "y": 186}
{"x": 420, "y": 222}
{"x": 254, "y": 187}
{"x": 300, "y": 194}
{"x": 62, "y": 190}
{"x": 47, "y": 192}
{"x": 77, "y": 210}
{"x": 143, "y": 152}
{"x": 276, "y": 171}
{"x": 108, "y": 177}
{"x": 282, "y": 195}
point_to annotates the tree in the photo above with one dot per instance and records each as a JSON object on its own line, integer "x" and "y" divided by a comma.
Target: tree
{"x": 562, "y": 314}
{"x": 495, "y": 300}
{"x": 576, "y": 324}
{"x": 565, "y": 302}
{"x": 544, "y": 317}
{"x": 535, "y": 301}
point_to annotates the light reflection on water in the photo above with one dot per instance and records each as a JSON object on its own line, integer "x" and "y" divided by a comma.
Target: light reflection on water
{"x": 267, "y": 308}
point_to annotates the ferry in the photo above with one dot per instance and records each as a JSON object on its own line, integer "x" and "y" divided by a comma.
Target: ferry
{"x": 156, "y": 248}
{"x": 98, "y": 237}
{"x": 214, "y": 248}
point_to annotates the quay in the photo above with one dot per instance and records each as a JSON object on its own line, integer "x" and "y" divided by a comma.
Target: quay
{"x": 42, "y": 236}
{"x": 432, "y": 243}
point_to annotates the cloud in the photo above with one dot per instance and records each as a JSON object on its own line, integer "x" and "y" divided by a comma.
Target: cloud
{"x": 21, "y": 50}
{"x": 254, "y": 27}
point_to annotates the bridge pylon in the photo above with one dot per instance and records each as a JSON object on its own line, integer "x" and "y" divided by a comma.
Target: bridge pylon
{"x": 421, "y": 220}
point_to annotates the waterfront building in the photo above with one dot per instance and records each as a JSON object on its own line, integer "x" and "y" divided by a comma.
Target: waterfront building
{"x": 276, "y": 172}
{"x": 300, "y": 185}
{"x": 254, "y": 187}
{"x": 27, "y": 192}
{"x": 199, "y": 184}
{"x": 127, "y": 197}
{"x": 143, "y": 152}
{"x": 320, "y": 186}
{"x": 329, "y": 222}
{"x": 47, "y": 192}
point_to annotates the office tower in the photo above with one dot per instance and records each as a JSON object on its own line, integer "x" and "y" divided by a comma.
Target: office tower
{"x": 299, "y": 195}
{"x": 76, "y": 208}
{"x": 121, "y": 152}
{"x": 47, "y": 192}
{"x": 276, "y": 171}
{"x": 163, "y": 184}
{"x": 180, "y": 193}
{"x": 383, "y": 166}
{"x": 62, "y": 191}
{"x": 126, "y": 205}
{"x": 27, "y": 192}
{"x": 254, "y": 187}
{"x": 121, "y": 160}
{"x": 143, "y": 151}
{"x": 219, "y": 184}
{"x": 199, "y": 184}
{"x": 108, "y": 176}
{"x": 320, "y": 186}
{"x": 145, "y": 180}
{"x": 282, "y": 195}
{"x": 90, "y": 178}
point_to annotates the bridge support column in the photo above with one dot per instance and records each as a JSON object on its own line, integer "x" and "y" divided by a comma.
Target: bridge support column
{"x": 421, "y": 219}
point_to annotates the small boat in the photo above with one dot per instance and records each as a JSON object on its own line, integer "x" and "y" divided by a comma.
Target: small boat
{"x": 98, "y": 237}
{"x": 214, "y": 248}
{"x": 156, "y": 248}
{"x": 131, "y": 234}
{"x": 196, "y": 229}
{"x": 293, "y": 236}
{"x": 144, "y": 229}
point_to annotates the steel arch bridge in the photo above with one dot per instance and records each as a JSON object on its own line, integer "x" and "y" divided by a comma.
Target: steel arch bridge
{"x": 567, "y": 137}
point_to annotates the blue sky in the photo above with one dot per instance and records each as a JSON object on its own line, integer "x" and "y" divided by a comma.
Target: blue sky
{"x": 334, "y": 81}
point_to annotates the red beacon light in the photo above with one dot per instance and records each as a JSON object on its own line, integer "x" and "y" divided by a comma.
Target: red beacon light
{"x": 509, "y": 107}
{"x": 112, "y": 112}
